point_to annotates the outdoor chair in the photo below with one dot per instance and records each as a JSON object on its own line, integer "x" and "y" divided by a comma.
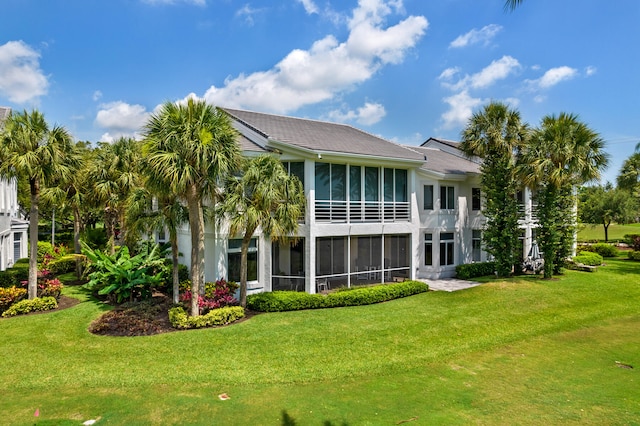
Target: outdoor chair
{"x": 322, "y": 284}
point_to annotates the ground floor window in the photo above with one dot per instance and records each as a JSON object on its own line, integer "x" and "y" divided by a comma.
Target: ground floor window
{"x": 476, "y": 245}
{"x": 288, "y": 265}
{"x": 17, "y": 246}
{"x": 446, "y": 248}
{"x": 233, "y": 260}
{"x": 428, "y": 249}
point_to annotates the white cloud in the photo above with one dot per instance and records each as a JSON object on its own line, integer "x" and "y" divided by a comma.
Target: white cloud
{"x": 483, "y": 35}
{"x": 497, "y": 70}
{"x": 590, "y": 70}
{"x": 414, "y": 139}
{"x": 309, "y": 6}
{"x": 121, "y": 119}
{"x": 248, "y": 13}
{"x": 329, "y": 67}
{"x": 21, "y": 79}
{"x": 97, "y": 95}
{"x": 368, "y": 114}
{"x": 461, "y": 107}
{"x": 553, "y": 76}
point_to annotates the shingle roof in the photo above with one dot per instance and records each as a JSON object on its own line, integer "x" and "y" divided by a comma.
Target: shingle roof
{"x": 321, "y": 136}
{"x": 443, "y": 162}
{"x": 248, "y": 145}
{"x": 452, "y": 144}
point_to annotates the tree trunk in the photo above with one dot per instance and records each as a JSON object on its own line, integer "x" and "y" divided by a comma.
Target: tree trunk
{"x": 76, "y": 240}
{"x": 606, "y": 232}
{"x": 174, "y": 259}
{"x": 34, "y": 184}
{"x": 196, "y": 223}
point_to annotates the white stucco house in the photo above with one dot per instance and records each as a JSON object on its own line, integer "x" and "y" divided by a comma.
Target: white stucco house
{"x": 13, "y": 230}
{"x": 377, "y": 211}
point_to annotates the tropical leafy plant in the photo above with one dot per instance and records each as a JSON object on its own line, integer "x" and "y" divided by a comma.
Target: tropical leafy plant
{"x": 122, "y": 277}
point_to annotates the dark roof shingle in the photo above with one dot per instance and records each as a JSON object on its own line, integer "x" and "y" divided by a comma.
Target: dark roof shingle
{"x": 321, "y": 136}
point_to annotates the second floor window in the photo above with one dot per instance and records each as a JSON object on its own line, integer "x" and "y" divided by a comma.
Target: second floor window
{"x": 447, "y": 198}
{"x": 428, "y": 197}
{"x": 475, "y": 199}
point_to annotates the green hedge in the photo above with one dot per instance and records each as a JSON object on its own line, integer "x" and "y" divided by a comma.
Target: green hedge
{"x": 31, "y": 305}
{"x": 633, "y": 255}
{"x": 588, "y": 258}
{"x": 603, "y": 249}
{"x": 222, "y": 316}
{"x": 13, "y": 276}
{"x": 65, "y": 264}
{"x": 472, "y": 270}
{"x": 279, "y": 301}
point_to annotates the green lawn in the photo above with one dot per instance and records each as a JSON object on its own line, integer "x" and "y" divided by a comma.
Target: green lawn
{"x": 520, "y": 351}
{"x": 616, "y": 232}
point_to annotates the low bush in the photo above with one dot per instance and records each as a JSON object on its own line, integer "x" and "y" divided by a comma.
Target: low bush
{"x": 23, "y": 261}
{"x": 7, "y": 279}
{"x": 588, "y": 258}
{"x": 20, "y": 272}
{"x": 633, "y": 255}
{"x": 216, "y": 295}
{"x": 279, "y": 301}
{"x": 222, "y": 316}
{"x": 605, "y": 250}
{"x": 633, "y": 240}
{"x": 472, "y": 270}
{"x": 11, "y": 295}
{"x": 31, "y": 305}
{"x": 64, "y": 264}
{"x": 44, "y": 248}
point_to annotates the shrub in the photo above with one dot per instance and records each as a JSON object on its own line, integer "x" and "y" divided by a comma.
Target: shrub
{"x": 472, "y": 270}
{"x": 222, "y": 316}
{"x": 20, "y": 272}
{"x": 124, "y": 277}
{"x": 605, "y": 250}
{"x": 633, "y": 255}
{"x": 64, "y": 264}
{"x": 50, "y": 288}
{"x": 11, "y": 295}
{"x": 96, "y": 238}
{"x": 7, "y": 279}
{"x": 633, "y": 240}
{"x": 44, "y": 248}
{"x": 588, "y": 258}
{"x": 279, "y": 301}
{"x": 23, "y": 261}
{"x": 31, "y": 305}
{"x": 216, "y": 295}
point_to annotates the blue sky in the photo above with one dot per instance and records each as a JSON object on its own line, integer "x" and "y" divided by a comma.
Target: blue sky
{"x": 402, "y": 69}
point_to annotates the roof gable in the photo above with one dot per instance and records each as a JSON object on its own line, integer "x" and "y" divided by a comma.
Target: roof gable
{"x": 320, "y": 136}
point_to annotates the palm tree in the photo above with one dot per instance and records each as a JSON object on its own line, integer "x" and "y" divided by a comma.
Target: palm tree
{"x": 496, "y": 134}
{"x": 562, "y": 153}
{"x": 263, "y": 196}
{"x": 115, "y": 173}
{"x": 72, "y": 194}
{"x": 629, "y": 176}
{"x": 29, "y": 148}
{"x": 512, "y": 4}
{"x": 169, "y": 214}
{"x": 189, "y": 149}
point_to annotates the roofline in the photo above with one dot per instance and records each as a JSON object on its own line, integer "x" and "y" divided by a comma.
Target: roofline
{"x": 320, "y": 153}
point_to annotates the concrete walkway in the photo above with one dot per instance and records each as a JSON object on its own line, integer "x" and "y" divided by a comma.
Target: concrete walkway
{"x": 449, "y": 284}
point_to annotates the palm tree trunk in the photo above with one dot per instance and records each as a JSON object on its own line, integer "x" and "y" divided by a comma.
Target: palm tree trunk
{"x": 76, "y": 240}
{"x": 34, "y": 184}
{"x": 196, "y": 223}
{"x": 174, "y": 259}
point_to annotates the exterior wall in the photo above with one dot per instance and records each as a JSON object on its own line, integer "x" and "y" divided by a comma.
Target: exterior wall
{"x": 13, "y": 231}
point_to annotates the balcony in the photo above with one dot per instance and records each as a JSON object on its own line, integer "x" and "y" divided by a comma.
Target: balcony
{"x": 362, "y": 211}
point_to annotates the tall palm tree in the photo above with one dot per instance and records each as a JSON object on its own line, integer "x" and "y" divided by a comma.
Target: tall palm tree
{"x": 30, "y": 148}
{"x": 189, "y": 149}
{"x": 115, "y": 173}
{"x": 72, "y": 193}
{"x": 629, "y": 176}
{"x": 496, "y": 134}
{"x": 262, "y": 196}
{"x": 168, "y": 213}
{"x": 562, "y": 153}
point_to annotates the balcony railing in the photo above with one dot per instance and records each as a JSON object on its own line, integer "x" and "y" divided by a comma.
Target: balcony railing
{"x": 362, "y": 211}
